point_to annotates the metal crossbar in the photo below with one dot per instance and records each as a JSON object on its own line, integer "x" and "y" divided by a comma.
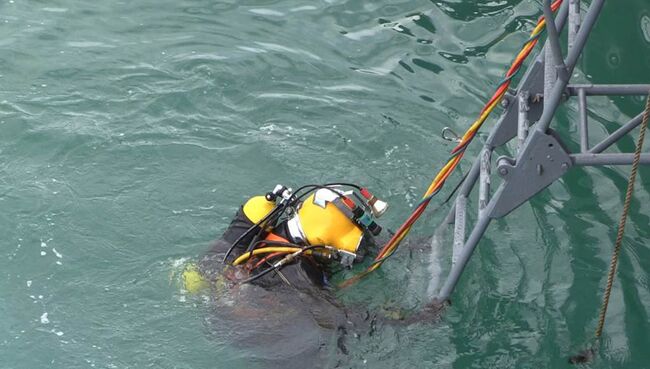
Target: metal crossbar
{"x": 541, "y": 156}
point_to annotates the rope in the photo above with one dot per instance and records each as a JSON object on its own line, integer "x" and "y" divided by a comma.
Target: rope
{"x": 621, "y": 223}
{"x": 588, "y": 354}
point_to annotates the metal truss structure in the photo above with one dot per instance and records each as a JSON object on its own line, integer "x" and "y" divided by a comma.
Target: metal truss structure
{"x": 541, "y": 156}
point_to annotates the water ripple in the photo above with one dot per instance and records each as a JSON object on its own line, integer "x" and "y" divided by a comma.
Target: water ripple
{"x": 131, "y": 131}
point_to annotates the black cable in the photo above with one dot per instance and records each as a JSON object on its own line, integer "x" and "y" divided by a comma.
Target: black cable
{"x": 313, "y": 187}
{"x": 234, "y": 244}
{"x": 454, "y": 190}
{"x": 280, "y": 209}
{"x": 272, "y": 220}
{"x": 343, "y": 184}
{"x": 279, "y": 264}
{"x": 278, "y": 243}
{"x": 258, "y": 275}
{"x": 272, "y": 243}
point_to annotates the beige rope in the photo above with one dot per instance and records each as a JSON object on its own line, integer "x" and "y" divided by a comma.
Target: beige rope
{"x": 621, "y": 223}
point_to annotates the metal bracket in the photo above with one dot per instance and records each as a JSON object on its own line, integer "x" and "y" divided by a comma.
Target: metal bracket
{"x": 533, "y": 82}
{"x": 541, "y": 157}
{"x": 540, "y": 163}
{"x": 507, "y": 126}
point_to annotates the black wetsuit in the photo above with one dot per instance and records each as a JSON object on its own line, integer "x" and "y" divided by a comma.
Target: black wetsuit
{"x": 289, "y": 319}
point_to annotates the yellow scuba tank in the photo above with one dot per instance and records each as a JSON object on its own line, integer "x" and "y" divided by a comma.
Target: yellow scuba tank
{"x": 324, "y": 219}
{"x": 257, "y": 207}
{"x": 323, "y": 223}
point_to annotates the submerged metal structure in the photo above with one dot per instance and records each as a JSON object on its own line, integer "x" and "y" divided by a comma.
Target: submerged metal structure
{"x": 541, "y": 156}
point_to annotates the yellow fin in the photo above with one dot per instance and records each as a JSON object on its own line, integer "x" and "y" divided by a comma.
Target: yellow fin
{"x": 193, "y": 281}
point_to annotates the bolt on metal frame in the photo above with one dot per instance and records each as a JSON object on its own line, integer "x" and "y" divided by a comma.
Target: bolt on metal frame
{"x": 541, "y": 156}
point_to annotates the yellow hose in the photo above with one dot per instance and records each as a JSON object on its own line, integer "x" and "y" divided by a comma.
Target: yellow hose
{"x": 265, "y": 250}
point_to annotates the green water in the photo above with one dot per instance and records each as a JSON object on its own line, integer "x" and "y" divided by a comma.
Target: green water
{"x": 131, "y": 131}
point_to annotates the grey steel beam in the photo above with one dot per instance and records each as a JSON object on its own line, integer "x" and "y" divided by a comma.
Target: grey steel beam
{"x": 607, "y": 159}
{"x": 522, "y": 119}
{"x": 484, "y": 178}
{"x": 572, "y": 58}
{"x": 533, "y": 82}
{"x": 464, "y": 256}
{"x": 583, "y": 33}
{"x": 459, "y": 227}
{"x": 466, "y": 187}
{"x": 574, "y": 21}
{"x": 554, "y": 39}
{"x": 607, "y": 90}
{"x": 584, "y": 130}
{"x": 550, "y": 74}
{"x": 616, "y": 135}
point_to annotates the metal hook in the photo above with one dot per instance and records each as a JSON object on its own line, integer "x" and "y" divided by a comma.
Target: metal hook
{"x": 449, "y": 135}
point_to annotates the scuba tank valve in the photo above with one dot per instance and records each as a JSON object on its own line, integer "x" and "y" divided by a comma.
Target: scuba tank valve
{"x": 378, "y": 207}
{"x": 280, "y": 190}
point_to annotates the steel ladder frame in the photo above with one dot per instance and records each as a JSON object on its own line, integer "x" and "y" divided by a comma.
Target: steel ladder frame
{"x": 541, "y": 156}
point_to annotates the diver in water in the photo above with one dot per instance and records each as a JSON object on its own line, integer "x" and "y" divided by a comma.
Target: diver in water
{"x": 270, "y": 272}
{"x": 315, "y": 227}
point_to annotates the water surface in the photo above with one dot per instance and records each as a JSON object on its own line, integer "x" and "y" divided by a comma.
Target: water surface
{"x": 131, "y": 131}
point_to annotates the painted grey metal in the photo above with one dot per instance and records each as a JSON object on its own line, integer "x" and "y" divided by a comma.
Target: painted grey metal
{"x": 533, "y": 82}
{"x": 617, "y": 135}
{"x": 550, "y": 75}
{"x": 465, "y": 188}
{"x": 554, "y": 40}
{"x": 459, "y": 227}
{"x": 574, "y": 21}
{"x": 583, "y": 33}
{"x": 522, "y": 121}
{"x": 552, "y": 101}
{"x": 506, "y": 127}
{"x": 541, "y": 157}
{"x": 608, "y": 90}
{"x": 542, "y": 161}
{"x": 484, "y": 179}
{"x": 584, "y": 124}
{"x": 466, "y": 252}
{"x": 607, "y": 159}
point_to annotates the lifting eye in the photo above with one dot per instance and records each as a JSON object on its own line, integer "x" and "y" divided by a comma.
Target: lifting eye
{"x": 449, "y": 135}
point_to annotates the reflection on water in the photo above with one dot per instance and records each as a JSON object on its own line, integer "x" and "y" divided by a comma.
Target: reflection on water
{"x": 608, "y": 58}
{"x": 131, "y": 131}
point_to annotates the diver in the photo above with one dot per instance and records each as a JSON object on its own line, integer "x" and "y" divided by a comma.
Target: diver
{"x": 313, "y": 228}
{"x": 272, "y": 266}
